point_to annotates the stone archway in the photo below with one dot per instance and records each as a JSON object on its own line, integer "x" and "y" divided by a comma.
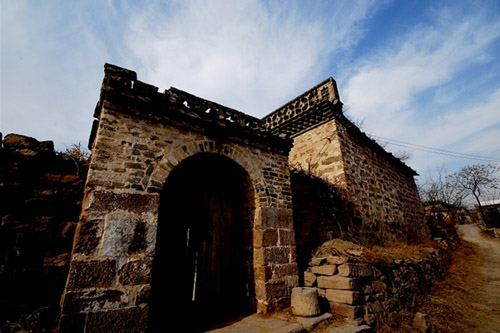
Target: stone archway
{"x": 204, "y": 251}
{"x": 150, "y": 150}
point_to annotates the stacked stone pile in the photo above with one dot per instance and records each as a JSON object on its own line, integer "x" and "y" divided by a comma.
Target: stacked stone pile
{"x": 40, "y": 193}
{"x": 494, "y": 232}
{"x": 372, "y": 292}
{"x": 339, "y": 281}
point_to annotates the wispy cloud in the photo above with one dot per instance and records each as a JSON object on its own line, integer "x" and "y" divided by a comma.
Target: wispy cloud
{"x": 49, "y": 58}
{"x": 418, "y": 85}
{"x": 250, "y": 55}
{"x": 385, "y": 88}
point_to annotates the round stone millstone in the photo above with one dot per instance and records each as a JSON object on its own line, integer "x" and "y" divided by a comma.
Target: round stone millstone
{"x": 305, "y": 302}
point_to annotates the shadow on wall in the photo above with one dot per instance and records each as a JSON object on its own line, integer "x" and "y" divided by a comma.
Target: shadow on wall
{"x": 322, "y": 212}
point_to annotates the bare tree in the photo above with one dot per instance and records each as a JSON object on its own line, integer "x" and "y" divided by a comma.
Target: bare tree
{"x": 475, "y": 181}
{"x": 438, "y": 190}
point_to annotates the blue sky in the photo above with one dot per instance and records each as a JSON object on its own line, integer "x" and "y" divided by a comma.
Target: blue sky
{"x": 419, "y": 72}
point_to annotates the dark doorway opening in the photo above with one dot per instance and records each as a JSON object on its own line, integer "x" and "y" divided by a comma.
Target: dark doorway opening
{"x": 203, "y": 266}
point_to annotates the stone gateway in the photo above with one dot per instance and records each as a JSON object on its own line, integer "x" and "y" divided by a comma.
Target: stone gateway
{"x": 188, "y": 203}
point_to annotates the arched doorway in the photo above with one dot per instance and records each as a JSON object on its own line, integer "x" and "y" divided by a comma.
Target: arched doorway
{"x": 204, "y": 254}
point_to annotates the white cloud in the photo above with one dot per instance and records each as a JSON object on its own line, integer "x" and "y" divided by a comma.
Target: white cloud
{"x": 244, "y": 54}
{"x": 384, "y": 88}
{"x": 250, "y": 55}
{"x": 51, "y": 70}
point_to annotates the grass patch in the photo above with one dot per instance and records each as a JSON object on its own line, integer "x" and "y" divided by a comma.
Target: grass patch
{"x": 450, "y": 302}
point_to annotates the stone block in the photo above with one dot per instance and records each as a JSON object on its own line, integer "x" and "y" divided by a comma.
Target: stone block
{"x": 143, "y": 295}
{"x": 121, "y": 320}
{"x": 277, "y": 255}
{"x": 87, "y": 238}
{"x": 338, "y": 282}
{"x": 343, "y": 296}
{"x": 305, "y": 302}
{"x": 91, "y": 273}
{"x": 275, "y": 218}
{"x": 317, "y": 261}
{"x": 309, "y": 279}
{"x": 127, "y": 235}
{"x": 275, "y": 290}
{"x": 135, "y": 203}
{"x": 280, "y": 271}
{"x": 136, "y": 272}
{"x": 324, "y": 269}
{"x": 265, "y": 237}
{"x": 349, "y": 311}
{"x": 355, "y": 270}
{"x": 286, "y": 237}
{"x": 336, "y": 260}
{"x": 94, "y": 300}
{"x": 18, "y": 141}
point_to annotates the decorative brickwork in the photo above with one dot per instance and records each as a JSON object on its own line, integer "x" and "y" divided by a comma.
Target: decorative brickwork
{"x": 307, "y": 111}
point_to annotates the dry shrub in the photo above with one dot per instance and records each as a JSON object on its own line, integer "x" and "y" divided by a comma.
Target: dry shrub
{"x": 338, "y": 247}
{"x": 377, "y": 253}
{"x": 401, "y": 251}
{"x": 449, "y": 302}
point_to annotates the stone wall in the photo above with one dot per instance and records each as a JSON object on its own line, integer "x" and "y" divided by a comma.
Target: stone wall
{"x": 318, "y": 152}
{"x": 327, "y": 145}
{"x": 320, "y": 213}
{"x": 141, "y": 136}
{"x": 381, "y": 188}
{"x": 40, "y": 195}
{"x": 373, "y": 292}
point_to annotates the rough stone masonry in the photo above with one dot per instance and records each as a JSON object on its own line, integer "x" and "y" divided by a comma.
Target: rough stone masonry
{"x": 140, "y": 137}
{"x": 151, "y": 191}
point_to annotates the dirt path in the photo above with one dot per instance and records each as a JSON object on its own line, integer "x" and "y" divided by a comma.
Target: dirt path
{"x": 488, "y": 296}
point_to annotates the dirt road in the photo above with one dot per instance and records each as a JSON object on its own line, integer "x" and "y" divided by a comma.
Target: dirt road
{"x": 488, "y": 298}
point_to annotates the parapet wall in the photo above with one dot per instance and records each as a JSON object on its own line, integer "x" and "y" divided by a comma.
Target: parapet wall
{"x": 306, "y": 111}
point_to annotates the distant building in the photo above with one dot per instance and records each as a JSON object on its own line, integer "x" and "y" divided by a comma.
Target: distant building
{"x": 491, "y": 210}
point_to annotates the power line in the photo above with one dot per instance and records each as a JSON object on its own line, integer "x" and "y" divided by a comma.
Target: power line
{"x": 437, "y": 150}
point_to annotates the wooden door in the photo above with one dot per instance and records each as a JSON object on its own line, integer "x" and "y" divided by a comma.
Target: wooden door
{"x": 203, "y": 251}
{"x": 219, "y": 269}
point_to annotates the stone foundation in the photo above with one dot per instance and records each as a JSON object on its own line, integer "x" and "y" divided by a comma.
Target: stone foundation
{"x": 373, "y": 291}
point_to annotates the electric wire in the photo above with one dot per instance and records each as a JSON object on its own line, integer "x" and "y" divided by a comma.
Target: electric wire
{"x": 437, "y": 150}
